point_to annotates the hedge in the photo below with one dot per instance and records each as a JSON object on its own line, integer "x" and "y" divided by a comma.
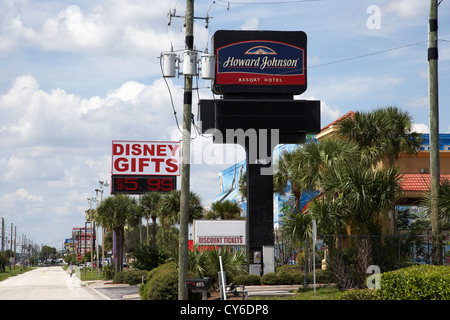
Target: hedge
{"x": 247, "y": 279}
{"x": 289, "y": 275}
{"x": 422, "y": 282}
{"x": 360, "y": 294}
{"x": 162, "y": 284}
{"x": 129, "y": 277}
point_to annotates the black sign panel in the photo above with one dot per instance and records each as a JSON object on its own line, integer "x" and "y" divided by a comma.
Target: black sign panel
{"x": 142, "y": 184}
{"x": 260, "y": 62}
{"x": 284, "y": 115}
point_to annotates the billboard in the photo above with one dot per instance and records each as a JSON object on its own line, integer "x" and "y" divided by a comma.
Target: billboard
{"x": 260, "y": 61}
{"x": 220, "y": 232}
{"x": 155, "y": 158}
{"x": 83, "y": 239}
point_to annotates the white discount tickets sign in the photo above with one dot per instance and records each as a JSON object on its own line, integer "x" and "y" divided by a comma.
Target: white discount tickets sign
{"x": 220, "y": 232}
{"x": 146, "y": 158}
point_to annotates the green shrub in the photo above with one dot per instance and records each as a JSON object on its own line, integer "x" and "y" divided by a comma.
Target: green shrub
{"x": 424, "y": 282}
{"x": 164, "y": 286}
{"x": 360, "y": 294}
{"x": 148, "y": 258}
{"x": 324, "y": 276}
{"x": 129, "y": 277}
{"x": 290, "y": 268}
{"x": 290, "y": 274}
{"x": 109, "y": 271}
{"x": 147, "y": 290}
{"x": 270, "y": 278}
{"x": 287, "y": 278}
{"x": 247, "y": 279}
{"x": 118, "y": 277}
{"x": 162, "y": 283}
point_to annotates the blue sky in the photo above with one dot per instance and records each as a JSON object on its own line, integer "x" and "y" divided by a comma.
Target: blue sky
{"x": 78, "y": 74}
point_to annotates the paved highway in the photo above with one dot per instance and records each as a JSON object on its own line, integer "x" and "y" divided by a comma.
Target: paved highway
{"x": 47, "y": 283}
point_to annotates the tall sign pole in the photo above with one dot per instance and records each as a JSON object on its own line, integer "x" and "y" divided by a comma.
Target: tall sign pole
{"x": 185, "y": 166}
{"x": 434, "y": 128}
{"x": 258, "y": 73}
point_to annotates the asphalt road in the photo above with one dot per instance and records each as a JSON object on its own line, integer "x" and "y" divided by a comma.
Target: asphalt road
{"x": 53, "y": 283}
{"x": 46, "y": 283}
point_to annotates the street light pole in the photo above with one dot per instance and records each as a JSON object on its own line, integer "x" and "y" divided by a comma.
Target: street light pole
{"x": 103, "y": 183}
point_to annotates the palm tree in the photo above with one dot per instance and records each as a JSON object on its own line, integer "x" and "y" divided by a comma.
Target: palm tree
{"x": 305, "y": 168}
{"x": 150, "y": 205}
{"x": 399, "y": 135}
{"x": 361, "y": 195}
{"x": 383, "y": 132}
{"x": 443, "y": 203}
{"x": 170, "y": 208}
{"x": 225, "y": 210}
{"x": 366, "y": 130}
{"x": 114, "y": 213}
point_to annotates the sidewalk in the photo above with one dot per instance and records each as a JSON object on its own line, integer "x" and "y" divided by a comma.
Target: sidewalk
{"x": 114, "y": 291}
{"x": 271, "y": 290}
{"x": 119, "y": 291}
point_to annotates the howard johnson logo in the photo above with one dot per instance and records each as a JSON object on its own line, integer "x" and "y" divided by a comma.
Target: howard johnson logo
{"x": 260, "y": 62}
{"x": 260, "y": 50}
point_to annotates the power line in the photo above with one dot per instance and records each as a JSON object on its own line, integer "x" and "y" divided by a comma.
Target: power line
{"x": 269, "y": 2}
{"x": 369, "y": 54}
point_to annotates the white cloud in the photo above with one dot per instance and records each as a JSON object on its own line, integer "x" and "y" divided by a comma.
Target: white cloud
{"x": 22, "y": 195}
{"x": 110, "y": 27}
{"x": 407, "y": 9}
{"x": 420, "y": 127}
{"x": 417, "y": 102}
{"x": 55, "y": 142}
{"x": 336, "y": 88}
{"x": 250, "y": 24}
{"x": 35, "y": 118}
{"x": 328, "y": 112}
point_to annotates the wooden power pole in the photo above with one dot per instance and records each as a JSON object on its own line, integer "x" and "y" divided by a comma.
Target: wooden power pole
{"x": 434, "y": 129}
{"x": 185, "y": 166}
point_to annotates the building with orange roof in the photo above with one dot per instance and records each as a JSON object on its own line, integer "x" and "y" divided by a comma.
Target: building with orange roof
{"x": 415, "y": 169}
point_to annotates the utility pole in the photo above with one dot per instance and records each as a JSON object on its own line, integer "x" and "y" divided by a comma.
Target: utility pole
{"x": 3, "y": 234}
{"x": 15, "y": 235}
{"x": 185, "y": 166}
{"x": 11, "y": 247}
{"x": 434, "y": 130}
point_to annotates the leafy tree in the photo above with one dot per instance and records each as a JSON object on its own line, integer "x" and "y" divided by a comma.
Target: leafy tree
{"x": 170, "y": 208}
{"x": 443, "y": 203}
{"x": 305, "y": 168}
{"x": 114, "y": 213}
{"x": 360, "y": 194}
{"x": 224, "y": 210}
{"x": 150, "y": 204}
{"x": 206, "y": 263}
{"x": 383, "y": 132}
{"x": 3, "y": 261}
{"x": 148, "y": 258}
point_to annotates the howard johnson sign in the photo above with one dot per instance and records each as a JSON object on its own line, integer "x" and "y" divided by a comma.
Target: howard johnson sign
{"x": 260, "y": 61}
